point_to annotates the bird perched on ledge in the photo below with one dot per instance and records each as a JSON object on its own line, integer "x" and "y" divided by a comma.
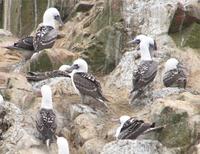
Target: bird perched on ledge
{"x": 147, "y": 68}
{"x": 46, "y": 118}
{"x": 45, "y": 35}
{"x": 85, "y": 84}
{"x": 174, "y": 74}
{"x": 131, "y": 128}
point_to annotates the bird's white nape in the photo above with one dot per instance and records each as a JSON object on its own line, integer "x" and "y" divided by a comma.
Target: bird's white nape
{"x": 82, "y": 65}
{"x": 64, "y": 67}
{"x": 1, "y": 99}
{"x": 46, "y": 97}
{"x": 63, "y": 146}
{"x": 49, "y": 17}
{"x": 171, "y": 64}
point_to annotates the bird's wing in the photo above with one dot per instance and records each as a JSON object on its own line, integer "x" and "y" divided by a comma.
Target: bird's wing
{"x": 170, "y": 77}
{"x": 38, "y": 76}
{"x": 144, "y": 74}
{"x": 136, "y": 128}
{"x": 88, "y": 85}
{"x": 46, "y": 122}
{"x": 45, "y": 38}
{"x": 24, "y": 43}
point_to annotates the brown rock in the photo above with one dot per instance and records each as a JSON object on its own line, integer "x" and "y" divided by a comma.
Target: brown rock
{"x": 93, "y": 146}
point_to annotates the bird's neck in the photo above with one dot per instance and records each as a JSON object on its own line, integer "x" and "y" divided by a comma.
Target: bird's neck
{"x": 145, "y": 53}
{"x": 47, "y": 103}
{"x": 48, "y": 22}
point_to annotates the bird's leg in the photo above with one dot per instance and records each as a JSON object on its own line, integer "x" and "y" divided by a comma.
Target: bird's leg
{"x": 82, "y": 99}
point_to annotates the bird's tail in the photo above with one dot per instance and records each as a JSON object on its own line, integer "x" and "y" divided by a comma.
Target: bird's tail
{"x": 103, "y": 100}
{"x": 11, "y": 47}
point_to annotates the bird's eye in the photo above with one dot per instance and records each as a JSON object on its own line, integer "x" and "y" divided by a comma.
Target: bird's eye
{"x": 76, "y": 66}
{"x": 56, "y": 17}
{"x": 137, "y": 41}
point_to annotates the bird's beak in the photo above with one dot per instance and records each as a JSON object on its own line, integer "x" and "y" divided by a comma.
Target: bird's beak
{"x": 61, "y": 24}
{"x": 73, "y": 67}
{"x": 135, "y": 41}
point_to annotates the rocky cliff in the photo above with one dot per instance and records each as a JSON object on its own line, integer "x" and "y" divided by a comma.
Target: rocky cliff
{"x": 98, "y": 31}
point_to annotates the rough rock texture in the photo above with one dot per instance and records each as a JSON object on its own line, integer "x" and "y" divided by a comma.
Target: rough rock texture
{"x": 98, "y": 31}
{"x": 135, "y": 147}
{"x": 50, "y": 59}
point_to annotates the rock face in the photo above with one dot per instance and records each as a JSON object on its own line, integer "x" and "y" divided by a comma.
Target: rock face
{"x": 22, "y": 17}
{"x": 135, "y": 147}
{"x": 98, "y": 31}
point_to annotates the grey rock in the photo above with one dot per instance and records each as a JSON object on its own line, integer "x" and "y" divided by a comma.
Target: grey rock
{"x": 4, "y": 32}
{"x": 78, "y": 109}
{"x": 164, "y": 92}
{"x": 135, "y": 147}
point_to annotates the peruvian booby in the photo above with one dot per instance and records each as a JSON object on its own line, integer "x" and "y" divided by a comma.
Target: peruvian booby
{"x": 131, "y": 128}
{"x": 85, "y": 84}
{"x": 46, "y": 118}
{"x": 147, "y": 68}
{"x": 45, "y": 36}
{"x": 174, "y": 74}
{"x": 63, "y": 146}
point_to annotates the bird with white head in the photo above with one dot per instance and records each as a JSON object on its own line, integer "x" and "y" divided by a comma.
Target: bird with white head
{"x": 122, "y": 120}
{"x": 147, "y": 68}
{"x": 46, "y": 118}
{"x": 84, "y": 83}
{"x": 174, "y": 74}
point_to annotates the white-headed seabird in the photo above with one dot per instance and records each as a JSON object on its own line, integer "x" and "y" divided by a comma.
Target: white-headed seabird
{"x": 174, "y": 74}
{"x": 63, "y": 146}
{"x": 85, "y": 84}
{"x": 46, "y": 118}
{"x": 45, "y": 35}
{"x": 131, "y": 128}
{"x": 147, "y": 68}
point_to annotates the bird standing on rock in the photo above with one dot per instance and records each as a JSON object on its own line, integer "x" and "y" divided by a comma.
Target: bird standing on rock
{"x": 174, "y": 74}
{"x": 45, "y": 35}
{"x": 147, "y": 68}
{"x": 85, "y": 84}
{"x": 46, "y": 118}
{"x": 131, "y": 128}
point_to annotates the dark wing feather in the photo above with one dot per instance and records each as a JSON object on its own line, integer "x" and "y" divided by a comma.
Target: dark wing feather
{"x": 46, "y": 123}
{"x": 45, "y": 38}
{"x": 175, "y": 78}
{"x": 88, "y": 85}
{"x": 144, "y": 74}
{"x": 135, "y": 128}
{"x": 24, "y": 43}
{"x": 170, "y": 77}
{"x": 38, "y": 76}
